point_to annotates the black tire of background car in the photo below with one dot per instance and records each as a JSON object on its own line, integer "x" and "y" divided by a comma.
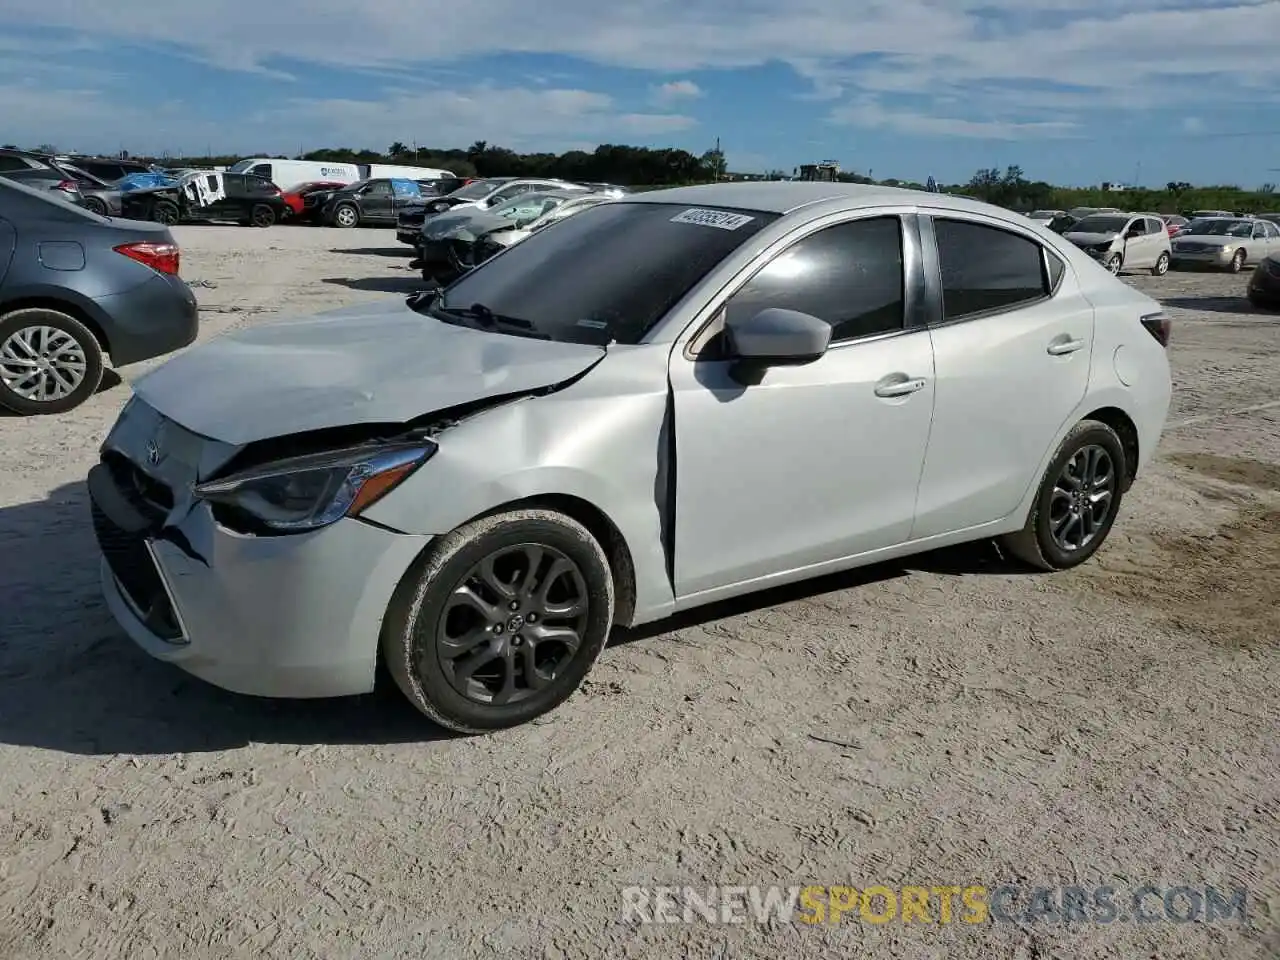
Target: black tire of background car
{"x": 45, "y": 317}
{"x": 1237, "y": 262}
{"x": 95, "y": 205}
{"x": 1033, "y": 544}
{"x": 1162, "y": 266}
{"x": 166, "y": 212}
{"x": 262, "y": 215}
{"x": 409, "y": 640}
{"x": 337, "y": 215}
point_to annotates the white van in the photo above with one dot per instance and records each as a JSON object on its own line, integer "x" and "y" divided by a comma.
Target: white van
{"x": 407, "y": 173}
{"x": 289, "y": 173}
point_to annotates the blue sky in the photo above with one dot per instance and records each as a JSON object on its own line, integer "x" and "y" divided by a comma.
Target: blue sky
{"x": 1073, "y": 91}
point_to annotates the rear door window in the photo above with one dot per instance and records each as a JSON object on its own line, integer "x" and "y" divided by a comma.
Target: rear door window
{"x": 986, "y": 269}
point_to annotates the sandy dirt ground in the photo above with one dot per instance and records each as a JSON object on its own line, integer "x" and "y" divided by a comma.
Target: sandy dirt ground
{"x": 951, "y": 720}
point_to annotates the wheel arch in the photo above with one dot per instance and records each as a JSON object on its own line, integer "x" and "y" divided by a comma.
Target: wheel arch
{"x": 606, "y": 532}
{"x": 65, "y": 304}
{"x": 1127, "y": 431}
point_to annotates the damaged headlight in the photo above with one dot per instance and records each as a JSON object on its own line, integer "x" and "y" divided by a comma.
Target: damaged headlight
{"x": 309, "y": 492}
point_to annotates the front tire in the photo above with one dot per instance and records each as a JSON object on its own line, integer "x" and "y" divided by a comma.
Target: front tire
{"x": 1114, "y": 263}
{"x": 1237, "y": 262}
{"x": 501, "y": 621}
{"x": 50, "y": 362}
{"x": 1077, "y": 502}
{"x": 1161, "y": 267}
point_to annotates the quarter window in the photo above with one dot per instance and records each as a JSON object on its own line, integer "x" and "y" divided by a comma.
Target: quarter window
{"x": 986, "y": 268}
{"x": 849, "y": 275}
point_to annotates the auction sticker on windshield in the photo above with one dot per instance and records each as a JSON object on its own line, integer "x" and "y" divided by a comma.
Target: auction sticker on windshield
{"x": 712, "y": 218}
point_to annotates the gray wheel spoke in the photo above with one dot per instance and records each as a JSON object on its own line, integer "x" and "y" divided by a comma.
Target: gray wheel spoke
{"x": 1080, "y": 502}
{"x": 469, "y": 665}
{"x": 42, "y": 363}
{"x": 467, "y": 596}
{"x": 489, "y": 574}
{"x": 453, "y": 647}
{"x": 535, "y": 677}
{"x": 513, "y": 624}
{"x": 563, "y": 635}
{"x": 559, "y": 568}
{"x": 533, "y": 556}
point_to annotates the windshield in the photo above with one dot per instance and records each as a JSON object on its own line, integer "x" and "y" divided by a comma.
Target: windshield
{"x": 1100, "y": 224}
{"x": 609, "y": 273}
{"x": 1222, "y": 228}
{"x": 478, "y": 189}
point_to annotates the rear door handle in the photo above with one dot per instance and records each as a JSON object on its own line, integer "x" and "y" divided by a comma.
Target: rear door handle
{"x": 899, "y": 388}
{"x": 1061, "y": 348}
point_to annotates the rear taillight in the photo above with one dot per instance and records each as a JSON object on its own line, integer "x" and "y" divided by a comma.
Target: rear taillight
{"x": 70, "y": 186}
{"x": 161, "y": 257}
{"x": 1159, "y": 326}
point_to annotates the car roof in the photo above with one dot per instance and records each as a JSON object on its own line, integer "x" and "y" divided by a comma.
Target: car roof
{"x": 784, "y": 196}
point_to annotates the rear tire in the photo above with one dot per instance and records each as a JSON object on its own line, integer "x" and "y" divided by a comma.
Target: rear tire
{"x": 166, "y": 212}
{"x": 95, "y": 205}
{"x": 433, "y": 627}
{"x": 262, "y": 215}
{"x": 70, "y": 354}
{"x": 346, "y": 216}
{"x": 1161, "y": 267}
{"x": 1063, "y": 508}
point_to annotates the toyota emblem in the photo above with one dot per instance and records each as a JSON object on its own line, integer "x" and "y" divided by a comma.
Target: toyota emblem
{"x": 153, "y": 453}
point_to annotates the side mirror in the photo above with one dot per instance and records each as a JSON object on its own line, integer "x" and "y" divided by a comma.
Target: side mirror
{"x": 777, "y": 337}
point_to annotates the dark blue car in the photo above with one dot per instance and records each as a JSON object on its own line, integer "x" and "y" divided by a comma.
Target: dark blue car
{"x": 75, "y": 287}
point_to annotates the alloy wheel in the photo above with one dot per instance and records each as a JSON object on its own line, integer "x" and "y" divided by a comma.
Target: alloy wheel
{"x": 1114, "y": 264}
{"x": 1082, "y": 498}
{"x": 346, "y": 217}
{"x": 513, "y": 624}
{"x": 42, "y": 363}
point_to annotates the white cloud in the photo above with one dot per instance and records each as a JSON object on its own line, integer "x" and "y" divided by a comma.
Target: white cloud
{"x": 867, "y": 112}
{"x": 519, "y": 118}
{"x": 977, "y": 68}
{"x": 675, "y": 91}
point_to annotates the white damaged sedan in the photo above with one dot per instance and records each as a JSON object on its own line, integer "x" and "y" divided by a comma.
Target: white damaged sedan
{"x": 665, "y": 400}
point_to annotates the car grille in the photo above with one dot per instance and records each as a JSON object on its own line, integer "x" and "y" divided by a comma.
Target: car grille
{"x": 413, "y": 219}
{"x": 1186, "y": 247}
{"x": 126, "y": 550}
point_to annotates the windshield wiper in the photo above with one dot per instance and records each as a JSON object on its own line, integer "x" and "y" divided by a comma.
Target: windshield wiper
{"x": 485, "y": 317}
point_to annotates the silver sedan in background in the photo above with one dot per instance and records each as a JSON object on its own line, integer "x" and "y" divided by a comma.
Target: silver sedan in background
{"x": 666, "y": 400}
{"x": 1225, "y": 243}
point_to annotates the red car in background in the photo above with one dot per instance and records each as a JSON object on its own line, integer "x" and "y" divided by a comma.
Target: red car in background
{"x": 295, "y": 196}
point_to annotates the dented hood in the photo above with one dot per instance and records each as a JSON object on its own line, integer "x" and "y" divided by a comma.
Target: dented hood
{"x": 383, "y": 363}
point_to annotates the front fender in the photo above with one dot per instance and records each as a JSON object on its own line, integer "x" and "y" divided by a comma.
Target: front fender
{"x": 600, "y": 440}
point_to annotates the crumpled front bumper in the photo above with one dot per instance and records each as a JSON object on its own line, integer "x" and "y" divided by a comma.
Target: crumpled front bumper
{"x": 288, "y": 616}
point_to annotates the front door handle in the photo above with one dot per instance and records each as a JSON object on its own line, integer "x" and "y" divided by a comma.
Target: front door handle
{"x": 899, "y": 388}
{"x": 1060, "y": 348}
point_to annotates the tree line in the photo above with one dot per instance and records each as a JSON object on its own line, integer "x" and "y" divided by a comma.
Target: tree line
{"x": 658, "y": 167}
